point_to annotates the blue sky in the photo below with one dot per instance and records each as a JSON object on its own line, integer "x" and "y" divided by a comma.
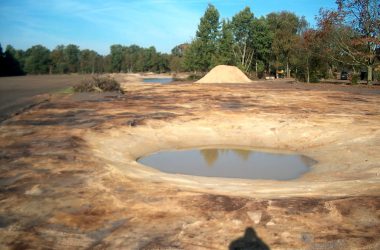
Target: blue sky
{"x": 97, "y": 24}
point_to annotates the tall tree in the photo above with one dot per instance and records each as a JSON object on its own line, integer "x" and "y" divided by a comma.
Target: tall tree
{"x": 225, "y": 53}
{"x": 176, "y": 59}
{"x": 285, "y": 26}
{"x": 203, "y": 48}
{"x": 151, "y": 59}
{"x": 262, "y": 43}
{"x": 117, "y": 54}
{"x": 11, "y": 62}
{"x": 242, "y": 27}
{"x": 353, "y": 33}
{"x": 192, "y": 60}
{"x": 72, "y": 54}
{"x": 131, "y": 55}
{"x": 179, "y": 50}
{"x": 57, "y": 57}
{"x": 88, "y": 61}
{"x": 37, "y": 60}
{"x": 2, "y": 64}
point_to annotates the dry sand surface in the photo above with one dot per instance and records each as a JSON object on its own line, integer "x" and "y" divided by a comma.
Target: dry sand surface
{"x": 224, "y": 74}
{"x": 70, "y": 180}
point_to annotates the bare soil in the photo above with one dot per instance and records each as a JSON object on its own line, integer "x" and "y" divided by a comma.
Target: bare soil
{"x": 69, "y": 177}
{"x": 19, "y": 92}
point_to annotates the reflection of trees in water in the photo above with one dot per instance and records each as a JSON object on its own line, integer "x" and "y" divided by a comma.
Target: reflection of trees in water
{"x": 211, "y": 155}
{"x": 242, "y": 153}
{"x": 307, "y": 161}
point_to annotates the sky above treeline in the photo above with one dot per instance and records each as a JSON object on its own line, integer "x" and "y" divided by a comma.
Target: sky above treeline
{"x": 97, "y": 24}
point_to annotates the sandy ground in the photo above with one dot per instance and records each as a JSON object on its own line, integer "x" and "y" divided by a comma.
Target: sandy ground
{"x": 69, "y": 179}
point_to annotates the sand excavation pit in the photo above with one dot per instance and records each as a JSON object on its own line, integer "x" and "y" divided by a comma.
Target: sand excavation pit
{"x": 70, "y": 179}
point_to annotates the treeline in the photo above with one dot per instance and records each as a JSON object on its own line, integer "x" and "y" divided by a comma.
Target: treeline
{"x": 345, "y": 39}
{"x": 70, "y": 59}
{"x": 253, "y": 44}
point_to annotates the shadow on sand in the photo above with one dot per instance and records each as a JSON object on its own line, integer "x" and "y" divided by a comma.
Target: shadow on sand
{"x": 249, "y": 241}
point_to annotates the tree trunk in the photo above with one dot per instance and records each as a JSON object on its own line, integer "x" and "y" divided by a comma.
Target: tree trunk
{"x": 256, "y": 69}
{"x": 243, "y": 56}
{"x": 331, "y": 75}
{"x": 287, "y": 69}
{"x": 369, "y": 74}
{"x": 307, "y": 71}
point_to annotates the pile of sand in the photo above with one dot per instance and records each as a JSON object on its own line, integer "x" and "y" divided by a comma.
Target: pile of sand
{"x": 225, "y": 74}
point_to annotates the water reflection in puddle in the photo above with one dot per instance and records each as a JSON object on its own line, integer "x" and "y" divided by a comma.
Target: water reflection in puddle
{"x": 230, "y": 163}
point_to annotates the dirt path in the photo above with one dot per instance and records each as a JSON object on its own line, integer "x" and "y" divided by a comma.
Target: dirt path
{"x": 19, "y": 92}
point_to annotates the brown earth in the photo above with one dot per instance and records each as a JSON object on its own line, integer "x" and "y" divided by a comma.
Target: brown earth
{"x": 19, "y": 92}
{"x": 69, "y": 179}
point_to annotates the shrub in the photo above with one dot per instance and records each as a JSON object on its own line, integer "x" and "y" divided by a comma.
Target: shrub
{"x": 194, "y": 77}
{"x": 314, "y": 78}
{"x": 98, "y": 84}
{"x": 354, "y": 78}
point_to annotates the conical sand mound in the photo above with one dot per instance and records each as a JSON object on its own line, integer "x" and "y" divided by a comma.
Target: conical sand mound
{"x": 224, "y": 74}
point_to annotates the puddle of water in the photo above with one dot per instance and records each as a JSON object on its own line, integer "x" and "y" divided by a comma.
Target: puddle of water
{"x": 230, "y": 163}
{"x": 158, "y": 80}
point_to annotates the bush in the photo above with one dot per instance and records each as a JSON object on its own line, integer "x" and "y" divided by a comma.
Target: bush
{"x": 194, "y": 77}
{"x": 98, "y": 84}
{"x": 354, "y": 78}
{"x": 314, "y": 78}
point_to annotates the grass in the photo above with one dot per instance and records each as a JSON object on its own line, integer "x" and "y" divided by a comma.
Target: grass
{"x": 67, "y": 90}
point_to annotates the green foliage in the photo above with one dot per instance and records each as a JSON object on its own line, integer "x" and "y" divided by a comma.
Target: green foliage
{"x": 242, "y": 28}
{"x": 117, "y": 54}
{"x": 37, "y": 60}
{"x": 58, "y": 61}
{"x": 71, "y": 55}
{"x": 10, "y": 64}
{"x": 286, "y": 27}
{"x": 192, "y": 61}
{"x": 245, "y": 41}
{"x": 179, "y": 50}
{"x": 208, "y": 27}
{"x": 137, "y": 59}
{"x": 280, "y": 40}
{"x": 98, "y": 84}
{"x": 262, "y": 41}
{"x": 194, "y": 77}
{"x": 354, "y": 78}
{"x": 68, "y": 90}
{"x": 225, "y": 53}
{"x": 89, "y": 61}
{"x": 202, "y": 51}
{"x": 176, "y": 63}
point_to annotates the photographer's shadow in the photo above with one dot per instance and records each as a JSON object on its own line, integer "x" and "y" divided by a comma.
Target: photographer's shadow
{"x": 250, "y": 241}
